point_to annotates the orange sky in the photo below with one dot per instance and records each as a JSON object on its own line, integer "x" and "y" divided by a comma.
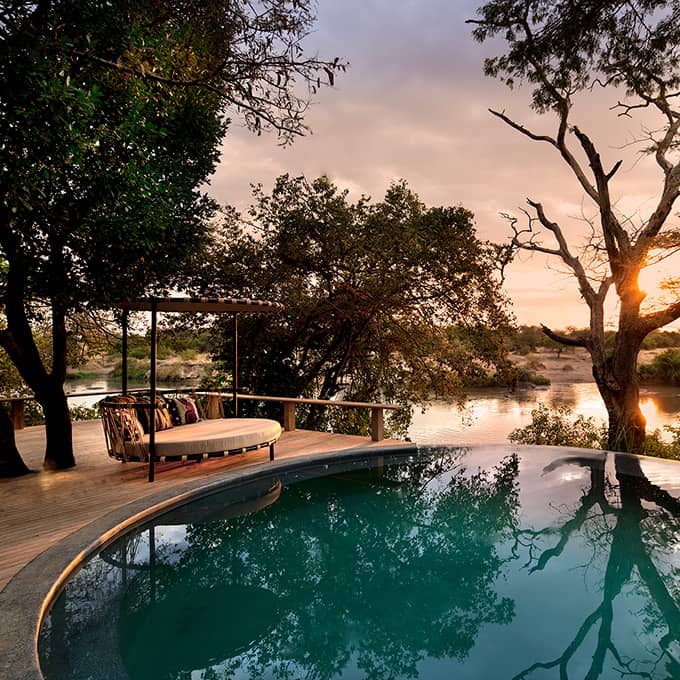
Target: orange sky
{"x": 413, "y": 105}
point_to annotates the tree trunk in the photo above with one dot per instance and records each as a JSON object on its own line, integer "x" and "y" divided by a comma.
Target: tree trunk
{"x": 617, "y": 381}
{"x": 11, "y": 464}
{"x": 18, "y": 341}
{"x": 59, "y": 447}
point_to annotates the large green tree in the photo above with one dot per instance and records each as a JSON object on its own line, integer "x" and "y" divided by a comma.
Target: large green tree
{"x": 383, "y": 300}
{"x": 111, "y": 117}
{"x": 562, "y": 49}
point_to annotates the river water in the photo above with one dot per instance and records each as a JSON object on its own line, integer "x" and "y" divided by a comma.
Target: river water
{"x": 490, "y": 414}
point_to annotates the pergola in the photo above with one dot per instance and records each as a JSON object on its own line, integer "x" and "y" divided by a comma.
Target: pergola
{"x": 211, "y": 305}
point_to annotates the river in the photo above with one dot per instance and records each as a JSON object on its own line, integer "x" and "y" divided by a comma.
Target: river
{"x": 490, "y": 414}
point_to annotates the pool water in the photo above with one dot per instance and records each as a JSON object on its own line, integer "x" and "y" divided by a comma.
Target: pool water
{"x": 495, "y": 562}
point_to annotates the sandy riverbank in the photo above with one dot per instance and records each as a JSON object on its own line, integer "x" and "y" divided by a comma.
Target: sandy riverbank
{"x": 571, "y": 366}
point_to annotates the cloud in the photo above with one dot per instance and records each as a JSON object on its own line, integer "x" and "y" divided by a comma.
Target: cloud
{"x": 413, "y": 105}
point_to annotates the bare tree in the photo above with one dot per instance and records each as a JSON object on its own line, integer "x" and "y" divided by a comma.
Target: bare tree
{"x": 563, "y": 48}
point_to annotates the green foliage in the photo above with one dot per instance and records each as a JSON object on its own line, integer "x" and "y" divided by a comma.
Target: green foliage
{"x": 110, "y": 126}
{"x": 386, "y": 300}
{"x": 186, "y": 343}
{"x": 137, "y": 369}
{"x": 661, "y": 339}
{"x": 526, "y": 375}
{"x": 34, "y": 414}
{"x": 557, "y": 427}
{"x": 664, "y": 368}
{"x": 656, "y": 446}
{"x": 83, "y": 413}
{"x": 527, "y": 339}
{"x": 81, "y": 375}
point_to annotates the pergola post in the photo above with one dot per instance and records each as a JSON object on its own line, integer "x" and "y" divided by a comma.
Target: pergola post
{"x": 152, "y": 410}
{"x": 125, "y": 351}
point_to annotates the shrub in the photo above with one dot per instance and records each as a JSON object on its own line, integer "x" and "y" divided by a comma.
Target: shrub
{"x": 33, "y": 413}
{"x": 664, "y": 368}
{"x": 556, "y": 427}
{"x": 82, "y": 375}
{"x": 137, "y": 369}
{"x": 525, "y": 374}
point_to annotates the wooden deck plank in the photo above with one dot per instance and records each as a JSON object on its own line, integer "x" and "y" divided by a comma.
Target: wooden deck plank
{"x": 38, "y": 510}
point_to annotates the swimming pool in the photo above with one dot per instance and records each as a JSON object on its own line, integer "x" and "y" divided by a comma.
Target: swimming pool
{"x": 490, "y": 562}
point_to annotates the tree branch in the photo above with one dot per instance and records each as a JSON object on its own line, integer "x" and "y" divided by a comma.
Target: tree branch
{"x": 650, "y": 322}
{"x": 566, "y": 340}
{"x": 570, "y": 260}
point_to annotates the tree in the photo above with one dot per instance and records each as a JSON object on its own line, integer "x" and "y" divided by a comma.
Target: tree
{"x": 383, "y": 300}
{"x": 564, "y": 48}
{"x": 110, "y": 124}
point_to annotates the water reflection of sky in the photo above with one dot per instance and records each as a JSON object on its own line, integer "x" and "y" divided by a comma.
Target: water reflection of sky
{"x": 490, "y": 415}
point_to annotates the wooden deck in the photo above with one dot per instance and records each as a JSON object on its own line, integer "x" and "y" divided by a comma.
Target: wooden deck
{"x": 38, "y": 510}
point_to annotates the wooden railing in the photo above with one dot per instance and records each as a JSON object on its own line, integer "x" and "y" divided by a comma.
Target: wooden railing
{"x": 288, "y": 404}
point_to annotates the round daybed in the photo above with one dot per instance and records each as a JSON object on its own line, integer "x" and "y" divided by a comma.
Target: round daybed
{"x": 126, "y": 441}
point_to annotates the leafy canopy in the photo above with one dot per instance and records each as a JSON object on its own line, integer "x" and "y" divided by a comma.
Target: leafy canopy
{"x": 383, "y": 300}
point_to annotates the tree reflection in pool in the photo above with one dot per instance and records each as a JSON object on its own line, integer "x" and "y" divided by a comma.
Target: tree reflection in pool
{"x": 468, "y": 564}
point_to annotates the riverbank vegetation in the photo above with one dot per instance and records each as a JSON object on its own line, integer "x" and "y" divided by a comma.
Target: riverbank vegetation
{"x": 559, "y": 426}
{"x": 664, "y": 369}
{"x": 528, "y": 339}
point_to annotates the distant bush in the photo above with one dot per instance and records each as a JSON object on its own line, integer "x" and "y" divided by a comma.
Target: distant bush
{"x": 81, "y": 375}
{"x": 567, "y": 367}
{"x": 83, "y": 413}
{"x": 188, "y": 354}
{"x": 664, "y": 368}
{"x": 527, "y": 339}
{"x": 33, "y": 413}
{"x": 526, "y": 375}
{"x": 659, "y": 339}
{"x": 136, "y": 369}
{"x": 171, "y": 342}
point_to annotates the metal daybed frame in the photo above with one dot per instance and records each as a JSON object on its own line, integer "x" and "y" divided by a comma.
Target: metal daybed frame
{"x": 137, "y": 448}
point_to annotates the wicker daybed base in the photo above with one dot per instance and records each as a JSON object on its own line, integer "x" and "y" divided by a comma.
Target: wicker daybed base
{"x": 202, "y": 440}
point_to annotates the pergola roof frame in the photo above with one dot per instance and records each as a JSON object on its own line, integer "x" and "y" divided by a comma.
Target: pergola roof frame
{"x": 211, "y": 305}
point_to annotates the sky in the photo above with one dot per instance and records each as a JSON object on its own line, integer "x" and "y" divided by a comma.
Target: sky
{"x": 414, "y": 105}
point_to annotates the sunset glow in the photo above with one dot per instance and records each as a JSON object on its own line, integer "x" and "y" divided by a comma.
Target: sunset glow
{"x": 413, "y": 105}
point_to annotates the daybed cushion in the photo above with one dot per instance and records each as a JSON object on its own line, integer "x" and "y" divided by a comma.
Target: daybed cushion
{"x": 209, "y": 436}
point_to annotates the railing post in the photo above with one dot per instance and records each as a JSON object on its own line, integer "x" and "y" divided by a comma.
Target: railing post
{"x": 289, "y": 416}
{"x": 377, "y": 425}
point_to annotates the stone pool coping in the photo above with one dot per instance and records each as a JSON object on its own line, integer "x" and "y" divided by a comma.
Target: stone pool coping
{"x": 28, "y": 596}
